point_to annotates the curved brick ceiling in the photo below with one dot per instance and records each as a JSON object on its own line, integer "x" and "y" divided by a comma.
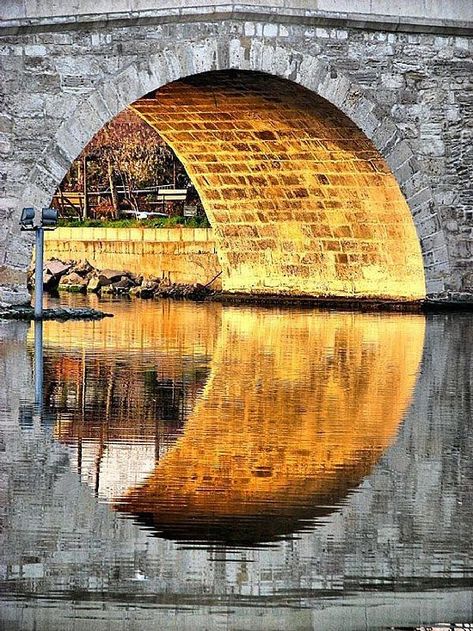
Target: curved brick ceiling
{"x": 300, "y": 200}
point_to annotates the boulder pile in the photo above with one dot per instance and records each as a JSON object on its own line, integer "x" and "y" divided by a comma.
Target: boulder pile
{"x": 82, "y": 277}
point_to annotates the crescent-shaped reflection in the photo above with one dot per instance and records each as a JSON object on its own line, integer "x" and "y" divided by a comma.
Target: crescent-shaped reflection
{"x": 298, "y": 408}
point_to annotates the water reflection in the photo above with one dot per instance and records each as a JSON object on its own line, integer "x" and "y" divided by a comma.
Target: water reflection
{"x": 122, "y": 391}
{"x": 398, "y": 551}
{"x": 241, "y": 428}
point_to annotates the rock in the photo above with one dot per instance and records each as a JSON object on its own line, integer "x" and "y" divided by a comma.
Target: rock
{"x": 110, "y": 275}
{"x": 73, "y": 282}
{"x": 147, "y": 289}
{"x": 49, "y": 281}
{"x": 123, "y": 283}
{"x": 53, "y": 271}
{"x": 137, "y": 279}
{"x": 146, "y": 293}
{"x": 123, "y": 286}
{"x": 149, "y": 284}
{"x": 72, "y": 279}
{"x": 164, "y": 290}
{"x": 103, "y": 280}
{"x": 82, "y": 268}
{"x": 54, "y": 267}
{"x": 94, "y": 285}
{"x": 140, "y": 292}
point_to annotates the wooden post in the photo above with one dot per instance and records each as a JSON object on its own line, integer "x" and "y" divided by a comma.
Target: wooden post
{"x": 113, "y": 190}
{"x": 85, "y": 207}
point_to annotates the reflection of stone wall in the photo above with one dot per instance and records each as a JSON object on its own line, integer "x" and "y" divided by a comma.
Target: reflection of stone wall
{"x": 182, "y": 255}
{"x": 15, "y": 376}
{"x": 431, "y": 467}
{"x": 300, "y": 200}
{"x": 15, "y": 387}
{"x": 409, "y": 524}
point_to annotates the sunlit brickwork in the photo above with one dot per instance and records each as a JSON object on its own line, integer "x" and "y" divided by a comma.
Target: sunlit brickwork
{"x": 300, "y": 199}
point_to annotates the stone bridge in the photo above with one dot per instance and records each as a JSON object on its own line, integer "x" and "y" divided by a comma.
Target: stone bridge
{"x": 330, "y": 140}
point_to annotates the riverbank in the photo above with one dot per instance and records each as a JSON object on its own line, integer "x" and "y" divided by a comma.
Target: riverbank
{"x": 82, "y": 277}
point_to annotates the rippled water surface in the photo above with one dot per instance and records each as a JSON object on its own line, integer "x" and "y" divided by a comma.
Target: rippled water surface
{"x": 195, "y": 466}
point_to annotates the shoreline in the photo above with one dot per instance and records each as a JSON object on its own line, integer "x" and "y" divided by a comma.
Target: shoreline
{"x": 82, "y": 277}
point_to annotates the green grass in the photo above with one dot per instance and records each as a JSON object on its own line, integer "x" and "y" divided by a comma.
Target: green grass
{"x": 159, "y": 222}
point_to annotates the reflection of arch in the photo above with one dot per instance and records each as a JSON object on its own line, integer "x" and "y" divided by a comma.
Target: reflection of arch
{"x": 108, "y": 385}
{"x": 298, "y": 408}
{"x": 300, "y": 199}
{"x": 186, "y": 58}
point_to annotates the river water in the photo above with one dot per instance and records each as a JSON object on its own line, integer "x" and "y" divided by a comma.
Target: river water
{"x": 198, "y": 466}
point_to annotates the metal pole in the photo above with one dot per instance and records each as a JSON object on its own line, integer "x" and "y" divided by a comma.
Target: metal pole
{"x": 38, "y": 273}
{"x": 38, "y": 362}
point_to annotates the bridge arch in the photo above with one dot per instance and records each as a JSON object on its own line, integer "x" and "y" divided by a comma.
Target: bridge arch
{"x": 187, "y": 59}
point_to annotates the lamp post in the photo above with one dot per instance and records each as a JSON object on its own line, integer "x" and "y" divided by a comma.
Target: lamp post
{"x": 47, "y": 221}
{"x": 38, "y": 362}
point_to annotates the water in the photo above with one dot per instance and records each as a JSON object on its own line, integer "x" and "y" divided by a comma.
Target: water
{"x": 195, "y": 466}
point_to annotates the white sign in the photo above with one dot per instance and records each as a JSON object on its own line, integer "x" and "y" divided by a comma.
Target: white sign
{"x": 190, "y": 211}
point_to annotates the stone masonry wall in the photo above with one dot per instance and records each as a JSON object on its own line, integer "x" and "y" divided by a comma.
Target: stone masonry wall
{"x": 410, "y": 93}
{"x": 184, "y": 255}
{"x": 448, "y": 10}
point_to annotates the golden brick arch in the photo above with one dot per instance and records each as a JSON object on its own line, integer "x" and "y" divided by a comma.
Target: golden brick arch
{"x": 300, "y": 199}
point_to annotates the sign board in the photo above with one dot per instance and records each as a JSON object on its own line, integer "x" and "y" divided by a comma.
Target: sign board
{"x": 190, "y": 211}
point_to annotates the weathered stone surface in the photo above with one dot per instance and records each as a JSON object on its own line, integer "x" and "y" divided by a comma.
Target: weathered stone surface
{"x": 56, "y": 268}
{"x": 425, "y": 10}
{"x": 57, "y": 313}
{"x": 110, "y": 276}
{"x": 11, "y": 276}
{"x": 403, "y": 88}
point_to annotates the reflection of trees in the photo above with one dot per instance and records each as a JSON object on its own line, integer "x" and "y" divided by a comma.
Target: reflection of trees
{"x": 112, "y": 399}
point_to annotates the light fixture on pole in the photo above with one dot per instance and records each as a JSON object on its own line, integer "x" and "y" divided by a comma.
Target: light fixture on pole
{"x": 48, "y": 221}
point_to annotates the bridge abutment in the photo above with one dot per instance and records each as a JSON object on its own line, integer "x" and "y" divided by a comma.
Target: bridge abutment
{"x": 409, "y": 92}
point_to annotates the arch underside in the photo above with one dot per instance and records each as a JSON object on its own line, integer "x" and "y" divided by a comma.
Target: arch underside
{"x": 300, "y": 200}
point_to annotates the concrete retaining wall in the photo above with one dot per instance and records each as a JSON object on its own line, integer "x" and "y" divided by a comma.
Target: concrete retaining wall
{"x": 183, "y": 255}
